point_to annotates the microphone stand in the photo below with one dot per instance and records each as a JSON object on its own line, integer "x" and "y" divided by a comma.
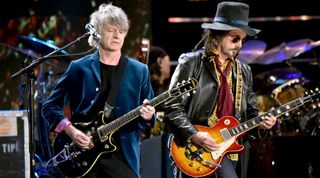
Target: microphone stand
{"x": 30, "y": 76}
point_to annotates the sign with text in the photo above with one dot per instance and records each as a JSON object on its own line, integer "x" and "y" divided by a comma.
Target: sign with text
{"x": 14, "y": 152}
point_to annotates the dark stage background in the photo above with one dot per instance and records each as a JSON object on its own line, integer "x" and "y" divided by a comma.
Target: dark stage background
{"x": 58, "y": 22}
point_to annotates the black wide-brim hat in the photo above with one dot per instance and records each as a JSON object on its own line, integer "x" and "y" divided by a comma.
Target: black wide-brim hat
{"x": 231, "y": 16}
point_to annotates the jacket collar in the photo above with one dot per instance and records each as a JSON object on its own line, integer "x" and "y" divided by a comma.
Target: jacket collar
{"x": 210, "y": 66}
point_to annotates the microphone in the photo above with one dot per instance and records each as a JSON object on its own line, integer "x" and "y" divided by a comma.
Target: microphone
{"x": 92, "y": 31}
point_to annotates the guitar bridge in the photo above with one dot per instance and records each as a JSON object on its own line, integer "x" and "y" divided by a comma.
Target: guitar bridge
{"x": 193, "y": 153}
{"x": 208, "y": 163}
{"x": 64, "y": 155}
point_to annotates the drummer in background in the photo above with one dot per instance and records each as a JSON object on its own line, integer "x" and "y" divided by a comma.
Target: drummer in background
{"x": 159, "y": 69}
{"x": 160, "y": 73}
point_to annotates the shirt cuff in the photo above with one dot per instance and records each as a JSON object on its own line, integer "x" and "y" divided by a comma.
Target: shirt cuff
{"x": 62, "y": 125}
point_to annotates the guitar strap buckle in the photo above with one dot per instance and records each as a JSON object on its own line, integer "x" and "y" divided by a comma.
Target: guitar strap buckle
{"x": 107, "y": 110}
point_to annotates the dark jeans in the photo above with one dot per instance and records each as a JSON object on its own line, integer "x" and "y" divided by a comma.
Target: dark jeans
{"x": 228, "y": 170}
{"x": 111, "y": 166}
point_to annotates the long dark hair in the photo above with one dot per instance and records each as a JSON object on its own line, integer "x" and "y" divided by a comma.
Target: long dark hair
{"x": 154, "y": 53}
{"x": 211, "y": 40}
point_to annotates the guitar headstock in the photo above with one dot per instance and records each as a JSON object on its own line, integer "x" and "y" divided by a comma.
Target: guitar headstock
{"x": 311, "y": 95}
{"x": 183, "y": 87}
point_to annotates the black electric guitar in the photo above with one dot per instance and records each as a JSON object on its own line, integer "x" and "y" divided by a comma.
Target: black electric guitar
{"x": 196, "y": 162}
{"x": 73, "y": 161}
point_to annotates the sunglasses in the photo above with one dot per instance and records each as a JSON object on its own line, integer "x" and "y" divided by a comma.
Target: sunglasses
{"x": 237, "y": 38}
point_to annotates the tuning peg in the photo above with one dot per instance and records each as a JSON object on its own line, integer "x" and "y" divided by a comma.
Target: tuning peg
{"x": 314, "y": 106}
{"x": 194, "y": 92}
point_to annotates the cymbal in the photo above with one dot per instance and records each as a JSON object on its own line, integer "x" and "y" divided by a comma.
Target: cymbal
{"x": 273, "y": 55}
{"x": 27, "y": 52}
{"x": 310, "y": 46}
{"x": 39, "y": 46}
{"x": 251, "y": 50}
{"x": 24, "y": 51}
{"x": 294, "y": 48}
{"x": 284, "y": 51}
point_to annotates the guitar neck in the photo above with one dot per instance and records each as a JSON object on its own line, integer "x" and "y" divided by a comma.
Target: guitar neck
{"x": 255, "y": 122}
{"x": 121, "y": 121}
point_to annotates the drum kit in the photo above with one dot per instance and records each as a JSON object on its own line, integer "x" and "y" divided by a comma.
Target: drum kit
{"x": 287, "y": 82}
{"x": 45, "y": 75}
{"x": 30, "y": 49}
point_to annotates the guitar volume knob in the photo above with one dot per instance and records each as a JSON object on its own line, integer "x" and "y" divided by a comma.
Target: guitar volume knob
{"x": 199, "y": 169}
{"x": 191, "y": 164}
{"x": 106, "y": 146}
{"x": 84, "y": 163}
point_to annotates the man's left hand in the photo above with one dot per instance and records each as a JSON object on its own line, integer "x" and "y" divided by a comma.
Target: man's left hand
{"x": 146, "y": 110}
{"x": 268, "y": 122}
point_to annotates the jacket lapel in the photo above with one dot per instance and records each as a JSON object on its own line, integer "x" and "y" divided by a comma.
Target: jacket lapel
{"x": 95, "y": 65}
{"x": 210, "y": 67}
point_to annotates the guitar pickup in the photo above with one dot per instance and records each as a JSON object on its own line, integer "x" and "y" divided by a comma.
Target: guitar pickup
{"x": 102, "y": 136}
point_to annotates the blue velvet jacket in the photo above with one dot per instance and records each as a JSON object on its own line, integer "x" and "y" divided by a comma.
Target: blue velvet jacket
{"x": 80, "y": 87}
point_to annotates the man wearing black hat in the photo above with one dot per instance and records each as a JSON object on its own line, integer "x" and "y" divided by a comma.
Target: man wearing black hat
{"x": 224, "y": 89}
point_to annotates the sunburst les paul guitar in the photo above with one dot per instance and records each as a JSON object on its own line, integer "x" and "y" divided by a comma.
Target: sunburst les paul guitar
{"x": 72, "y": 161}
{"x": 195, "y": 162}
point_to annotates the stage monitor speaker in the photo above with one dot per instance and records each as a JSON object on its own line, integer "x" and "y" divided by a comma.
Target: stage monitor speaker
{"x": 14, "y": 148}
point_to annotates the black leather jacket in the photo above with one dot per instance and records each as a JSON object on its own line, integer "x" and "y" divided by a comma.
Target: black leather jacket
{"x": 181, "y": 114}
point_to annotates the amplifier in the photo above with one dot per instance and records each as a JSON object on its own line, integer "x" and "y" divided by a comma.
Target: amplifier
{"x": 14, "y": 140}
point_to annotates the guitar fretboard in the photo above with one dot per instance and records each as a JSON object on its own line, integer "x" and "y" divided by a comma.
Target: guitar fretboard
{"x": 252, "y": 123}
{"x": 116, "y": 124}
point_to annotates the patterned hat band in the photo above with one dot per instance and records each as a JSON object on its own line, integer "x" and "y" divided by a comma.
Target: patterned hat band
{"x": 230, "y": 21}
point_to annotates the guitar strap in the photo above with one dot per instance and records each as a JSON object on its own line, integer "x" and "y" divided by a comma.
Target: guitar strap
{"x": 115, "y": 85}
{"x": 238, "y": 87}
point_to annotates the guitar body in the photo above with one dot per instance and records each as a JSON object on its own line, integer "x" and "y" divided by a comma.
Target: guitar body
{"x": 80, "y": 161}
{"x": 196, "y": 168}
{"x": 73, "y": 161}
{"x": 196, "y": 162}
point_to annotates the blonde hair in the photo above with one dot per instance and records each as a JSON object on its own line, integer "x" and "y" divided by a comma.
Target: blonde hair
{"x": 108, "y": 13}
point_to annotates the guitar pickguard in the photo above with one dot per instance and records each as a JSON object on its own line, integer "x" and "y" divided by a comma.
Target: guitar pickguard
{"x": 223, "y": 147}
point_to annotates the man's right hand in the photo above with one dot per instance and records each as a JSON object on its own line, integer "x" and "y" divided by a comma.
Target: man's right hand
{"x": 205, "y": 140}
{"x": 78, "y": 137}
